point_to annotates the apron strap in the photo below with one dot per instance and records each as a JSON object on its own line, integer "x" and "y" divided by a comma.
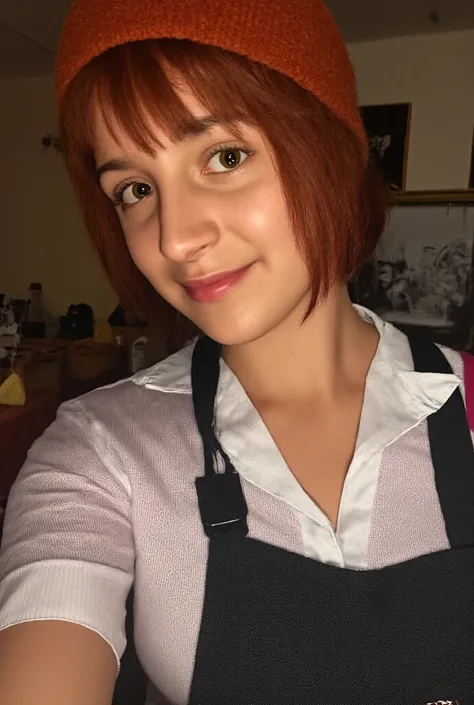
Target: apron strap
{"x": 204, "y": 379}
{"x": 451, "y": 450}
{"x": 221, "y": 499}
{"x": 220, "y": 496}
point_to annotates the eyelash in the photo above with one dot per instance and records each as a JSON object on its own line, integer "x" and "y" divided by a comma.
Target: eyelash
{"x": 224, "y": 147}
{"x": 227, "y": 147}
{"x": 119, "y": 191}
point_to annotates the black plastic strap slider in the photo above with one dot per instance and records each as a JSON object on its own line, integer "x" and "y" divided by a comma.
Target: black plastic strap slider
{"x": 222, "y": 504}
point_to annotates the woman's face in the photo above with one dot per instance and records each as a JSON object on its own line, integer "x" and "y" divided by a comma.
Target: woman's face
{"x": 205, "y": 221}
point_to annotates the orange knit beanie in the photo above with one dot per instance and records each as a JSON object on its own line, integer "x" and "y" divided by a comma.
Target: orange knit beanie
{"x": 298, "y": 38}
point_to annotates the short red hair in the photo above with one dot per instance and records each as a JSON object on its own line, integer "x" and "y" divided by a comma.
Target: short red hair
{"x": 337, "y": 205}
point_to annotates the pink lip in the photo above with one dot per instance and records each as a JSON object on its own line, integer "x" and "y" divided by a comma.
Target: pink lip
{"x": 215, "y": 286}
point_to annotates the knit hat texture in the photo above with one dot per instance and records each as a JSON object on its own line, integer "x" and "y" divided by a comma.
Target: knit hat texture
{"x": 298, "y": 38}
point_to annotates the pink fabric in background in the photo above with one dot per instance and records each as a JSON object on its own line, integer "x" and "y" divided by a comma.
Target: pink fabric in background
{"x": 468, "y": 361}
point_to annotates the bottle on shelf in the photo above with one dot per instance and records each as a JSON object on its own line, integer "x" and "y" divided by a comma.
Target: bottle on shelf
{"x": 34, "y": 324}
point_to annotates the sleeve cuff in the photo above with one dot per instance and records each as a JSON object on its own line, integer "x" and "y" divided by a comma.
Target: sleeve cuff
{"x": 93, "y": 596}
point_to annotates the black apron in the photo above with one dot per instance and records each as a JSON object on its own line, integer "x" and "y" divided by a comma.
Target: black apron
{"x": 279, "y": 628}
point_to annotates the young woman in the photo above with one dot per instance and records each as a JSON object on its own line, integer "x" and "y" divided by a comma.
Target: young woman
{"x": 291, "y": 496}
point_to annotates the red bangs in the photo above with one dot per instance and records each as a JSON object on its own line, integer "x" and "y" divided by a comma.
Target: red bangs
{"x": 136, "y": 88}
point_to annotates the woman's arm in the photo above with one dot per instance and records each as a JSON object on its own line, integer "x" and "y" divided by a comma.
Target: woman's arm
{"x": 66, "y": 567}
{"x": 55, "y": 663}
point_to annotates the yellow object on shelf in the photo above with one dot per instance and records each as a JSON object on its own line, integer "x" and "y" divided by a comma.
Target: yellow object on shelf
{"x": 42, "y": 369}
{"x": 12, "y": 391}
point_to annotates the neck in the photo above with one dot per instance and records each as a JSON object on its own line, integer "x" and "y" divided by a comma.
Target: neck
{"x": 322, "y": 357}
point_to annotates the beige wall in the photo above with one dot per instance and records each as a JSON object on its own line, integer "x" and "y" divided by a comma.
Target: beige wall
{"x": 41, "y": 232}
{"x": 42, "y": 237}
{"x": 436, "y": 74}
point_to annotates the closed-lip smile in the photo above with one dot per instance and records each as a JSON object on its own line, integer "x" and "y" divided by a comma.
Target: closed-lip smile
{"x": 213, "y": 287}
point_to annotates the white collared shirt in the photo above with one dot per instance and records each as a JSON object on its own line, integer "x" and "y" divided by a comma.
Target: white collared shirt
{"x": 107, "y": 497}
{"x": 396, "y": 400}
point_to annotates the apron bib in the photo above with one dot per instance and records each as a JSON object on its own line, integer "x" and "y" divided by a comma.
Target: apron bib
{"x": 279, "y": 628}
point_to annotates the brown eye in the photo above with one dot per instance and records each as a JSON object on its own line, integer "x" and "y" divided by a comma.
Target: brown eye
{"x": 135, "y": 192}
{"x": 230, "y": 159}
{"x": 226, "y": 160}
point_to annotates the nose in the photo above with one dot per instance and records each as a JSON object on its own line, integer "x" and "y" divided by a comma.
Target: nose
{"x": 188, "y": 224}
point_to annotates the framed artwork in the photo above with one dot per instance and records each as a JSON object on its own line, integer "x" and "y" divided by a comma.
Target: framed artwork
{"x": 421, "y": 274}
{"x": 471, "y": 172}
{"x": 388, "y": 131}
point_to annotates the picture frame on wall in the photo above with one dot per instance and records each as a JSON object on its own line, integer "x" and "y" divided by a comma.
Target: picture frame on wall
{"x": 421, "y": 276}
{"x": 471, "y": 171}
{"x": 388, "y": 132}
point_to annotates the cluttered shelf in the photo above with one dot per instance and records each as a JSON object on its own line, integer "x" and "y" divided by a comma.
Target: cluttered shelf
{"x": 51, "y": 372}
{"x": 39, "y": 369}
{"x": 48, "y": 373}
{"x": 46, "y": 360}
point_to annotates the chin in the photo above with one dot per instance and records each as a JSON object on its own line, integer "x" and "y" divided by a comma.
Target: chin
{"x": 232, "y": 330}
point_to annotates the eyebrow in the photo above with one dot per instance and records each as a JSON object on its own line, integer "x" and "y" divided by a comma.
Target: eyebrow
{"x": 112, "y": 165}
{"x": 193, "y": 128}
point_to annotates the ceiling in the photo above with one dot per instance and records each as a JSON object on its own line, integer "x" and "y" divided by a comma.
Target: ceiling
{"x": 29, "y": 29}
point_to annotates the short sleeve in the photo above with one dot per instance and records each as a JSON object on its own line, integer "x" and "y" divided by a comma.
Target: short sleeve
{"x": 67, "y": 550}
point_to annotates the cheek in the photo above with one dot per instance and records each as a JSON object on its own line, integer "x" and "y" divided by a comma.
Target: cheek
{"x": 146, "y": 255}
{"x": 262, "y": 219}
{"x": 142, "y": 243}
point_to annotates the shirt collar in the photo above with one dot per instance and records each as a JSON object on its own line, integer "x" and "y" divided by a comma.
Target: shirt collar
{"x": 172, "y": 375}
{"x": 392, "y": 360}
{"x": 396, "y": 400}
{"x": 397, "y": 397}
